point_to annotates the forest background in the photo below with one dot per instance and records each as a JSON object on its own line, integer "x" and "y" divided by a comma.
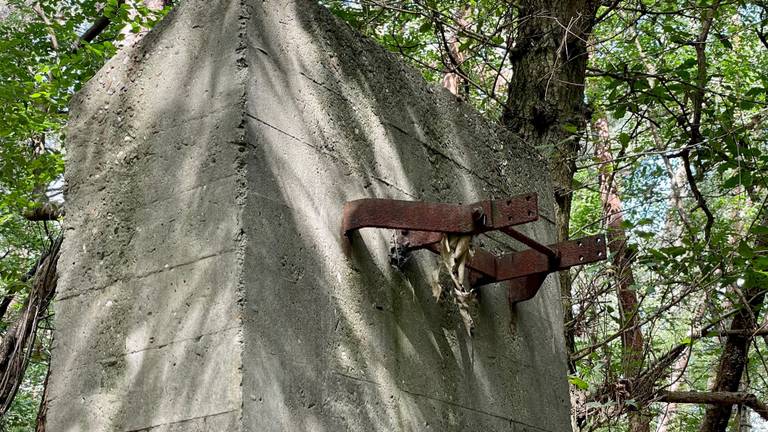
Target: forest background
{"x": 651, "y": 113}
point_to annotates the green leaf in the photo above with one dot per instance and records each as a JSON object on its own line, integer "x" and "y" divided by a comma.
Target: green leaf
{"x": 647, "y": 235}
{"x": 745, "y": 250}
{"x": 570, "y": 128}
{"x": 732, "y": 182}
{"x": 619, "y": 112}
{"x": 578, "y": 382}
{"x": 674, "y": 251}
{"x": 624, "y": 139}
{"x": 687, "y": 64}
{"x": 724, "y": 40}
{"x": 644, "y": 221}
{"x": 760, "y": 263}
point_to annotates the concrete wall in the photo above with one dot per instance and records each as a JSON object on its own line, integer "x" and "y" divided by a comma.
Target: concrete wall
{"x": 203, "y": 286}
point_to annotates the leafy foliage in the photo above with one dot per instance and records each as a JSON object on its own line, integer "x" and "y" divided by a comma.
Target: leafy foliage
{"x": 43, "y": 61}
{"x": 681, "y": 84}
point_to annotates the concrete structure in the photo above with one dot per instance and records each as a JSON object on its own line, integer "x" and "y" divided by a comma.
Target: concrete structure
{"x": 202, "y": 283}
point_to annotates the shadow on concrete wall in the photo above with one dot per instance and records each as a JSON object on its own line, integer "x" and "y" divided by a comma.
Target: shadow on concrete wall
{"x": 148, "y": 316}
{"x": 203, "y": 280}
{"x": 354, "y": 344}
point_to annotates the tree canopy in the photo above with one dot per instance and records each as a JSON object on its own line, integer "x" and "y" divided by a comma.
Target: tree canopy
{"x": 652, "y": 114}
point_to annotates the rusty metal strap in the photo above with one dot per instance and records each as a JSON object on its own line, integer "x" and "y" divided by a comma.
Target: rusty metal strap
{"x": 422, "y": 226}
{"x": 474, "y": 218}
{"x": 570, "y": 253}
{"x": 490, "y": 268}
{"x": 525, "y": 271}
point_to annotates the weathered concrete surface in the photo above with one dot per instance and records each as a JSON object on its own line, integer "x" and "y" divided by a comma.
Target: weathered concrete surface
{"x": 202, "y": 283}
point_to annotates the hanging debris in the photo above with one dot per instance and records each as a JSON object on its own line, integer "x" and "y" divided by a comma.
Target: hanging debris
{"x": 455, "y": 252}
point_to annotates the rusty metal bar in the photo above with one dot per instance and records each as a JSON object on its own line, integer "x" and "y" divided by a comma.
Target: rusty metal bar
{"x": 582, "y": 251}
{"x": 438, "y": 217}
{"x": 483, "y": 263}
{"x": 412, "y": 240}
{"x": 423, "y": 225}
{"x": 520, "y": 268}
{"x": 525, "y": 288}
{"x": 531, "y": 243}
{"x": 491, "y": 269}
{"x": 572, "y": 253}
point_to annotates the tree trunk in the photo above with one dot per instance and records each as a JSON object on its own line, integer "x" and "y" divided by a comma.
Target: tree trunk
{"x": 733, "y": 359}
{"x": 42, "y": 411}
{"x": 452, "y": 79}
{"x": 745, "y": 422}
{"x": 19, "y": 339}
{"x": 545, "y": 99}
{"x": 632, "y": 338}
{"x": 5, "y": 303}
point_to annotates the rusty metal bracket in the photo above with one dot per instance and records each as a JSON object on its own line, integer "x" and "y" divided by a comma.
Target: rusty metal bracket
{"x": 421, "y": 225}
{"x": 437, "y": 217}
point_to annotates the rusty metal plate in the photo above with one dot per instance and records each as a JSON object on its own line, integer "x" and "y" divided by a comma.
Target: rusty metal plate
{"x": 438, "y": 217}
{"x": 570, "y": 253}
{"x": 412, "y": 240}
{"x": 422, "y": 225}
{"x": 582, "y": 251}
{"x": 524, "y": 288}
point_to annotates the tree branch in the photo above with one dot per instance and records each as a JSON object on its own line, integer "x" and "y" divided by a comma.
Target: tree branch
{"x": 98, "y": 26}
{"x": 46, "y": 212}
{"x": 716, "y": 398}
{"x": 700, "y": 201}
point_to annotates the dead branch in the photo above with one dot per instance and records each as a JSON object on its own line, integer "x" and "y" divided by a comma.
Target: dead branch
{"x": 716, "y": 398}
{"x": 46, "y": 212}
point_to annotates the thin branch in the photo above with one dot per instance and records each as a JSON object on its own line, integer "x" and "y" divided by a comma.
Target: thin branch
{"x": 702, "y": 203}
{"x": 46, "y": 212}
{"x": 97, "y": 28}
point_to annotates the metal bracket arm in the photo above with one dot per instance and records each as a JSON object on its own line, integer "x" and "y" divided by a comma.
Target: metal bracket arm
{"x": 422, "y": 226}
{"x": 518, "y": 264}
{"x": 474, "y": 218}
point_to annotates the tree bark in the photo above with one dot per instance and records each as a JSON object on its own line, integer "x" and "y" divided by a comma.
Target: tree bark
{"x": 727, "y": 399}
{"x": 744, "y": 326}
{"x": 545, "y": 99}
{"x": 452, "y": 79}
{"x": 5, "y": 303}
{"x": 42, "y": 411}
{"x": 733, "y": 359}
{"x": 19, "y": 339}
{"x": 632, "y": 344}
